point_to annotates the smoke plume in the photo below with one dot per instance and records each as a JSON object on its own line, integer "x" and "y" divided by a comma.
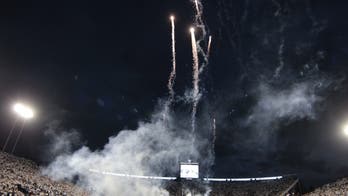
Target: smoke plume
{"x": 275, "y": 106}
{"x": 60, "y": 141}
{"x": 153, "y": 149}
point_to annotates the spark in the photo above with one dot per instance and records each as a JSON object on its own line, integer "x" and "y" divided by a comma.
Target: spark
{"x": 173, "y": 73}
{"x": 192, "y": 30}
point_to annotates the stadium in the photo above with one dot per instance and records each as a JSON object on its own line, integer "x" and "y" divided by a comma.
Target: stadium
{"x": 181, "y": 98}
{"x": 22, "y": 177}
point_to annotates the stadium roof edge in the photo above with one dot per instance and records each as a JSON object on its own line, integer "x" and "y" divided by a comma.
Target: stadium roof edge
{"x": 204, "y": 179}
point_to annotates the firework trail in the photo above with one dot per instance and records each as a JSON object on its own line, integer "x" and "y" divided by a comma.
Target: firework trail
{"x": 214, "y": 136}
{"x": 209, "y": 46}
{"x": 196, "y": 51}
{"x": 199, "y": 19}
{"x": 281, "y": 59}
{"x": 201, "y": 28}
{"x": 195, "y": 78}
{"x": 173, "y": 73}
{"x": 283, "y": 24}
{"x": 197, "y": 6}
{"x": 195, "y": 62}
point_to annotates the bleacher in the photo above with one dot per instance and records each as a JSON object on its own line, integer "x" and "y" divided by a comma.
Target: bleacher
{"x": 339, "y": 188}
{"x": 284, "y": 186}
{"x": 20, "y": 176}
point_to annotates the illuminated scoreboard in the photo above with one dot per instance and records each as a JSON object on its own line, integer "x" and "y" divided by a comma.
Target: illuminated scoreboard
{"x": 189, "y": 170}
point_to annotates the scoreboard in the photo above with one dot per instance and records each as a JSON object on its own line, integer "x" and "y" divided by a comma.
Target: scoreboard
{"x": 189, "y": 170}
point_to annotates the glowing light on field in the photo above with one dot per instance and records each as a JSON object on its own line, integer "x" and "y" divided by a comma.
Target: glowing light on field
{"x": 23, "y": 111}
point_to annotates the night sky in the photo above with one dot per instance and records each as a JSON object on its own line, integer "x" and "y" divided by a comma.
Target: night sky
{"x": 101, "y": 67}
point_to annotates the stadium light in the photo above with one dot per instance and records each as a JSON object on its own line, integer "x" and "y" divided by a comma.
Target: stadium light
{"x": 23, "y": 111}
{"x": 345, "y": 130}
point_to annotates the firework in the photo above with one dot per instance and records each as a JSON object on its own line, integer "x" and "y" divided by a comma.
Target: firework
{"x": 209, "y": 45}
{"x": 173, "y": 73}
{"x": 195, "y": 78}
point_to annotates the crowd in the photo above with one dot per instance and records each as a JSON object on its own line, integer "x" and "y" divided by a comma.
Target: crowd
{"x": 257, "y": 188}
{"x": 272, "y": 187}
{"x": 22, "y": 177}
{"x": 339, "y": 187}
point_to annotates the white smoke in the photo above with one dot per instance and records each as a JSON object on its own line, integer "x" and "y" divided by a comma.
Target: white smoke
{"x": 275, "y": 106}
{"x": 153, "y": 149}
{"x": 60, "y": 141}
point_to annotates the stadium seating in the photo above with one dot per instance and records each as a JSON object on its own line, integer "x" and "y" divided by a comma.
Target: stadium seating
{"x": 22, "y": 177}
{"x": 272, "y": 187}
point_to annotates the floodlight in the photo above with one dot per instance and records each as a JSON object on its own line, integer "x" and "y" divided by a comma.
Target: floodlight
{"x": 345, "y": 130}
{"x": 23, "y": 111}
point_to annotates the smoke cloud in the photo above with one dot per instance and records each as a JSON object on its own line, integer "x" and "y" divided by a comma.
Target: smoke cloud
{"x": 275, "y": 105}
{"x": 156, "y": 148}
{"x": 60, "y": 141}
